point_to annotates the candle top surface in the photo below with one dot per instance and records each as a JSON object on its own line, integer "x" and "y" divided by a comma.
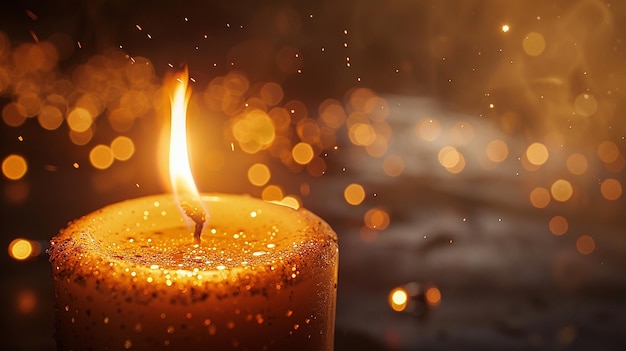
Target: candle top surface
{"x": 150, "y": 236}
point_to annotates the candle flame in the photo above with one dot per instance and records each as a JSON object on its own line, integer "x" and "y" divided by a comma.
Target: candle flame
{"x": 181, "y": 178}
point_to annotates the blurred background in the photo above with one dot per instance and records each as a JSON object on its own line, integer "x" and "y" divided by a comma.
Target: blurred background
{"x": 470, "y": 154}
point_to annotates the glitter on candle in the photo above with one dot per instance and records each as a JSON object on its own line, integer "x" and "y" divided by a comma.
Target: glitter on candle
{"x": 149, "y": 272}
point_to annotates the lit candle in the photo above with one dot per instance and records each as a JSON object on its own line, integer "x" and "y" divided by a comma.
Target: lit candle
{"x": 131, "y": 276}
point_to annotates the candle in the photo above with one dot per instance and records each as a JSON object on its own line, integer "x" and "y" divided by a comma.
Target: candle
{"x": 129, "y": 276}
{"x": 134, "y": 275}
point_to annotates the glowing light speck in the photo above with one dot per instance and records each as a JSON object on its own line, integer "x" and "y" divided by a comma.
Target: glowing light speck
{"x": 354, "y": 194}
{"x": 21, "y": 249}
{"x": 14, "y": 167}
{"x": 398, "y": 299}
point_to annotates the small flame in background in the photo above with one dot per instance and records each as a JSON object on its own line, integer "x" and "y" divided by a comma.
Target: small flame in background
{"x": 183, "y": 185}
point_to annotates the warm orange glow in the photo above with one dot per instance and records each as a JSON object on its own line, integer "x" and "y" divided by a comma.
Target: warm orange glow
{"x": 254, "y": 130}
{"x": 540, "y": 197}
{"x": 585, "y": 104}
{"x": 368, "y": 234}
{"x": 393, "y": 165}
{"x": 272, "y": 193}
{"x": 14, "y": 167}
{"x": 81, "y": 138}
{"x": 398, "y": 299}
{"x": 537, "y": 154}
{"x": 428, "y": 129}
{"x": 180, "y": 171}
{"x": 290, "y": 201}
{"x": 577, "y": 164}
{"x": 377, "y": 219}
{"x": 361, "y": 134}
{"x": 354, "y": 194}
{"x": 608, "y": 151}
{"x": 433, "y": 296}
{"x": 259, "y": 174}
{"x": 21, "y": 249}
{"x": 533, "y": 44}
{"x": 13, "y": 114}
{"x": 451, "y": 159}
{"x": 79, "y": 119}
{"x": 558, "y": 225}
{"x": 123, "y": 148}
{"x": 26, "y": 301}
{"x": 101, "y": 156}
{"x": 302, "y": 153}
{"x": 585, "y": 244}
{"x": 497, "y": 151}
{"x": 50, "y": 117}
{"x": 448, "y": 156}
{"x": 611, "y": 189}
{"x": 378, "y": 148}
{"x": 561, "y": 190}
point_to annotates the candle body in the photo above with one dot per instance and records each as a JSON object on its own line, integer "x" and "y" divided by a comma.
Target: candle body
{"x": 130, "y": 277}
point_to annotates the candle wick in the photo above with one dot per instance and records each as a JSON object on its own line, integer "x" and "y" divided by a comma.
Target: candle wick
{"x": 197, "y": 215}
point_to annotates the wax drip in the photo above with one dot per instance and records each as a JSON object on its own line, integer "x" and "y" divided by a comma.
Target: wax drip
{"x": 197, "y": 215}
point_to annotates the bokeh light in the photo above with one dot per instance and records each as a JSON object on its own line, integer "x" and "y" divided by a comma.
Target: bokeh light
{"x": 79, "y": 120}
{"x": 376, "y": 218}
{"x": 81, "y": 138}
{"x": 398, "y": 299}
{"x": 428, "y": 129}
{"x": 14, "y": 167}
{"x": 433, "y": 296}
{"x": 21, "y": 249}
{"x": 585, "y": 105}
{"x": 254, "y": 131}
{"x": 354, "y": 194}
{"x": 259, "y": 174}
{"x": 561, "y": 190}
{"x": 272, "y": 193}
{"x": 537, "y": 154}
{"x": 393, "y": 165}
{"x": 608, "y": 151}
{"x": 101, "y": 156}
{"x": 332, "y": 113}
{"x": 558, "y": 225}
{"x": 533, "y": 44}
{"x": 123, "y": 148}
{"x": 540, "y": 197}
{"x": 577, "y": 164}
{"x": 378, "y": 147}
{"x": 450, "y": 158}
{"x": 271, "y": 93}
{"x": 30, "y": 102}
{"x": 13, "y": 114}
{"x": 361, "y": 134}
{"x": 497, "y": 151}
{"x": 302, "y": 153}
{"x": 50, "y": 117}
{"x": 26, "y": 301}
{"x": 585, "y": 244}
{"x": 611, "y": 189}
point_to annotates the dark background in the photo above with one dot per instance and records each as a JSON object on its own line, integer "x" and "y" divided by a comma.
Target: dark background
{"x": 506, "y": 281}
